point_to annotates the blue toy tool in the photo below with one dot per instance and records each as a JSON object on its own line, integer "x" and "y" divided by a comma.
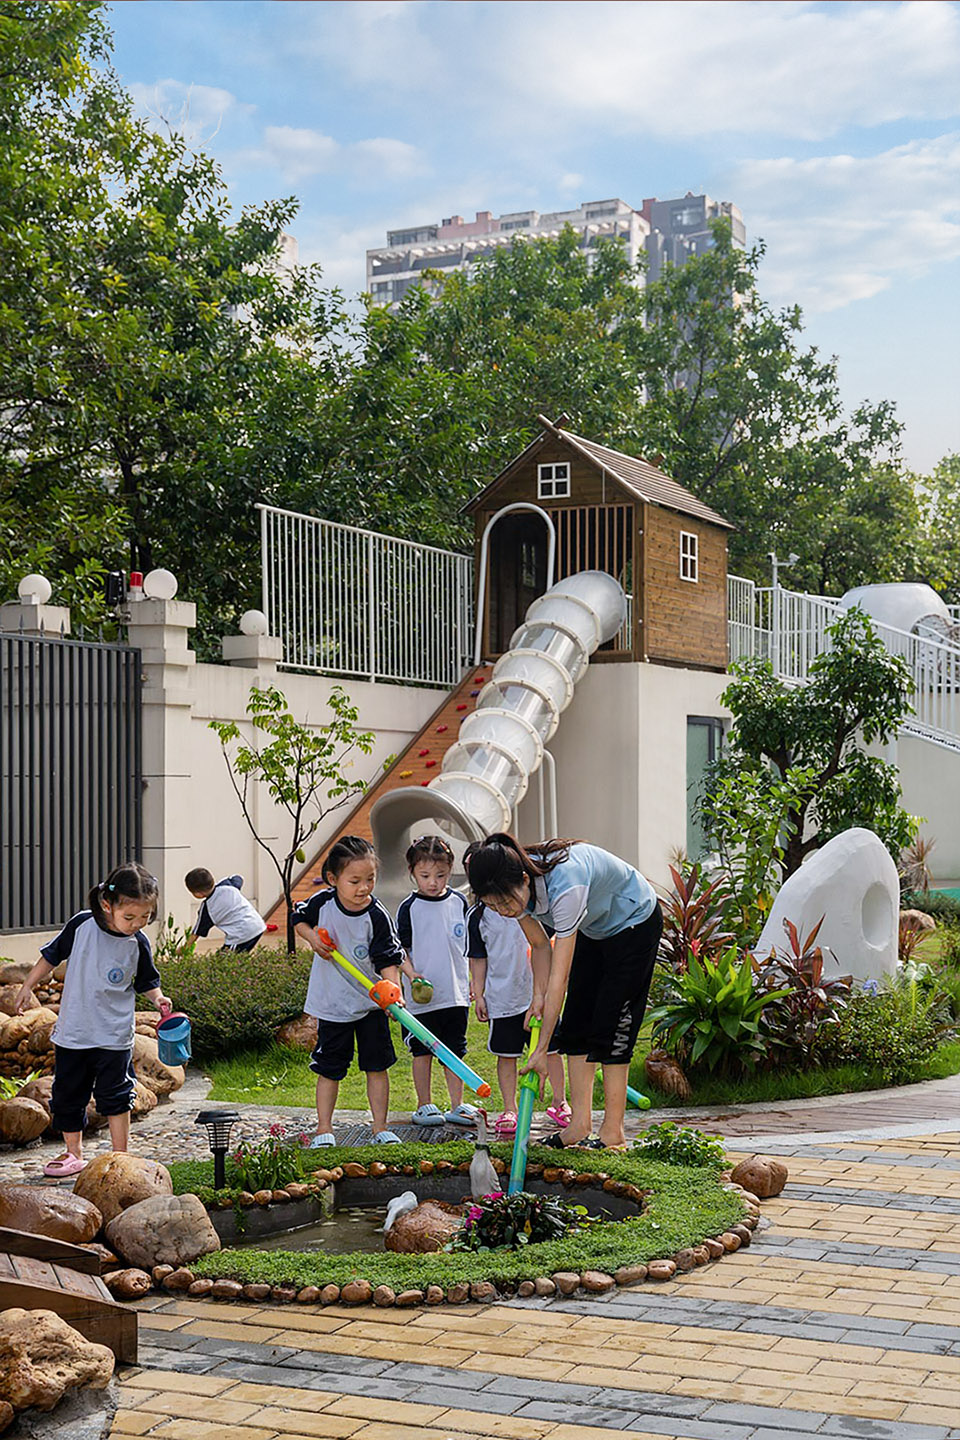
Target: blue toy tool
{"x": 173, "y": 1037}
{"x": 529, "y": 1091}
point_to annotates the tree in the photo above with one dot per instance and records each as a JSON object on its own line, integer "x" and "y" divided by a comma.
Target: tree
{"x": 798, "y": 751}
{"x": 739, "y": 412}
{"x": 301, "y": 767}
{"x": 941, "y": 527}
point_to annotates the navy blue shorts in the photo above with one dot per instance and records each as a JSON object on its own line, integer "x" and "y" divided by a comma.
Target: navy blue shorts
{"x": 333, "y": 1053}
{"x": 107, "y": 1075}
{"x": 448, "y": 1024}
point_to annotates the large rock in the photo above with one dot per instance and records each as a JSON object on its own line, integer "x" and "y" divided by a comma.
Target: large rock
{"x": 761, "y": 1175}
{"x": 425, "y": 1229}
{"x": 14, "y": 972}
{"x": 161, "y": 1079}
{"x": 48, "y": 1210}
{"x": 41, "y": 1356}
{"x": 917, "y": 920}
{"x": 8, "y": 999}
{"x": 22, "y": 1120}
{"x": 14, "y": 1029}
{"x": 144, "y": 1100}
{"x": 852, "y": 884}
{"x": 115, "y": 1182}
{"x": 298, "y": 1034}
{"x": 165, "y": 1230}
{"x": 39, "y": 1090}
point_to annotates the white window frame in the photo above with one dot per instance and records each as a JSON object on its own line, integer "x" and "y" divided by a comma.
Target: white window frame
{"x": 690, "y": 556}
{"x": 550, "y": 485}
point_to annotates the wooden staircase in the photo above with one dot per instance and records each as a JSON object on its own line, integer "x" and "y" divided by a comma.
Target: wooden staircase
{"x": 37, "y": 1273}
{"x": 416, "y": 765}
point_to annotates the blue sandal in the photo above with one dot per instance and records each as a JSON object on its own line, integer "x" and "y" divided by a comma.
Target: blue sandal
{"x": 462, "y": 1115}
{"x": 427, "y": 1115}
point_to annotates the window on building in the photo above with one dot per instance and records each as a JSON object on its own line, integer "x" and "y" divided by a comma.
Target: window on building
{"x": 553, "y": 481}
{"x": 704, "y": 739}
{"x": 689, "y": 556}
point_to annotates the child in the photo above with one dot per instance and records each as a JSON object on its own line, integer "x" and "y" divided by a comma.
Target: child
{"x": 224, "y": 906}
{"x": 109, "y": 963}
{"x": 432, "y": 925}
{"x": 362, "y": 931}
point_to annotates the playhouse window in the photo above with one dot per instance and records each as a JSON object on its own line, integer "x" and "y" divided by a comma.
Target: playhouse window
{"x": 689, "y": 556}
{"x": 553, "y": 481}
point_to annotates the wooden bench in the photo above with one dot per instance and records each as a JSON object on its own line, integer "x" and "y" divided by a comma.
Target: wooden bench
{"x": 37, "y": 1273}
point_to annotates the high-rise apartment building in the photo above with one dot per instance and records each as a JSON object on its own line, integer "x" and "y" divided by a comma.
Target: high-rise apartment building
{"x": 667, "y": 231}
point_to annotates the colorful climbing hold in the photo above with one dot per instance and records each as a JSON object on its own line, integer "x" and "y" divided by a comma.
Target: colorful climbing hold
{"x": 474, "y": 693}
{"x": 421, "y": 753}
{"x": 441, "y": 728}
{"x": 430, "y": 764}
{"x": 405, "y": 774}
{"x": 424, "y": 784}
{"x": 461, "y": 707}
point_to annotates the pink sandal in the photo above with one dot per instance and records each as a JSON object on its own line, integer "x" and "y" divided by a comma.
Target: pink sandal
{"x": 505, "y": 1125}
{"x": 63, "y": 1166}
{"x": 560, "y": 1114}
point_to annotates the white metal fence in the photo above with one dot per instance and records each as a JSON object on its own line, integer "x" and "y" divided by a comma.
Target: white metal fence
{"x": 790, "y": 629}
{"x": 351, "y": 602}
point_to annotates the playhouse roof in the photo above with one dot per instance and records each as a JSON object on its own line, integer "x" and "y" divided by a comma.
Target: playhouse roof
{"x": 644, "y": 481}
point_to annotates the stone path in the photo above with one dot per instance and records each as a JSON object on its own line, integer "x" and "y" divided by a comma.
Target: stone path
{"x": 842, "y": 1319}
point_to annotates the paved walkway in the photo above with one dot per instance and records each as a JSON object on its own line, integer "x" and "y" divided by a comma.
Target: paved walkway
{"x": 842, "y": 1319}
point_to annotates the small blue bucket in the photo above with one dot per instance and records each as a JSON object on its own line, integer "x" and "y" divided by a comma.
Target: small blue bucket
{"x": 173, "y": 1039}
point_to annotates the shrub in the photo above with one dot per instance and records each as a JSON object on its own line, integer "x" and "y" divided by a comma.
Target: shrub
{"x": 271, "y": 1164}
{"x": 714, "y": 1013}
{"x": 235, "y": 1001}
{"x": 894, "y": 1030}
{"x": 935, "y": 903}
{"x": 509, "y": 1222}
{"x": 680, "y": 1145}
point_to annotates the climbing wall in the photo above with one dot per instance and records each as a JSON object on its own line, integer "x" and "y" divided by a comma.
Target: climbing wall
{"x": 416, "y": 765}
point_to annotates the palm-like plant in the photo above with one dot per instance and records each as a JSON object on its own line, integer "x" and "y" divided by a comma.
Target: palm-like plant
{"x": 714, "y": 1016}
{"x": 692, "y": 918}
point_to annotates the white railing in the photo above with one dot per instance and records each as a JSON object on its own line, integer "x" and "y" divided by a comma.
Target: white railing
{"x": 790, "y": 629}
{"x": 352, "y": 602}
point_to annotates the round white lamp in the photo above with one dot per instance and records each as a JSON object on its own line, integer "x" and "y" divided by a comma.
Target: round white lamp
{"x": 253, "y": 622}
{"x": 35, "y": 589}
{"x": 160, "y": 585}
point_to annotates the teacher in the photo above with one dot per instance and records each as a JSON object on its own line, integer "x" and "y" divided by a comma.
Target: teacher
{"x": 606, "y": 922}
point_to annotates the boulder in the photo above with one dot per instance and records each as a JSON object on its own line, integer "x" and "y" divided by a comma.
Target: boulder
{"x": 852, "y": 884}
{"x": 22, "y": 1120}
{"x": 150, "y": 1069}
{"x": 163, "y": 1230}
{"x": 761, "y": 1174}
{"x": 298, "y": 1034}
{"x": 917, "y": 920}
{"x": 7, "y": 1414}
{"x": 8, "y": 997}
{"x": 114, "y": 1182}
{"x": 14, "y": 1029}
{"x": 48, "y": 1210}
{"x": 128, "y": 1284}
{"x": 39, "y": 1090}
{"x": 426, "y": 1229}
{"x": 14, "y": 972}
{"x": 41, "y": 1356}
{"x": 664, "y": 1073}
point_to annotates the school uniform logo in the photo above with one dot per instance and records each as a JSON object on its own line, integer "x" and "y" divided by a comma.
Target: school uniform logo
{"x": 115, "y": 975}
{"x": 459, "y": 929}
{"x": 360, "y": 952}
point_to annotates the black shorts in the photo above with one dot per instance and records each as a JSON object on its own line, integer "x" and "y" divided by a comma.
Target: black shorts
{"x": 107, "y": 1075}
{"x": 509, "y": 1037}
{"x": 448, "y": 1024}
{"x": 244, "y": 945}
{"x": 333, "y": 1053}
{"x": 607, "y": 993}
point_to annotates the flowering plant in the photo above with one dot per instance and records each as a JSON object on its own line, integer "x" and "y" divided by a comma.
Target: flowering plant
{"x": 499, "y": 1221}
{"x": 271, "y": 1164}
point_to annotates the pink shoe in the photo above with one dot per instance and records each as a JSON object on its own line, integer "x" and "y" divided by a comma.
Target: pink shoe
{"x": 560, "y": 1114}
{"x": 505, "y": 1125}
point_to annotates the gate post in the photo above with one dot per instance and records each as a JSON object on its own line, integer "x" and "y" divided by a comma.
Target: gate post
{"x": 160, "y": 630}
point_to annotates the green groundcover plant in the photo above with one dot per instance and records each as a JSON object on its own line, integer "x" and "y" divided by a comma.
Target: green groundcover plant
{"x": 684, "y": 1204}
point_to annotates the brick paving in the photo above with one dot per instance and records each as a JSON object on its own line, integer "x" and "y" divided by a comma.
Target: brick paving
{"x": 841, "y": 1320}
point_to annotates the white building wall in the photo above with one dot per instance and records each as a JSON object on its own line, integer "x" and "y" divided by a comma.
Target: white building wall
{"x": 621, "y": 753}
{"x": 930, "y": 779}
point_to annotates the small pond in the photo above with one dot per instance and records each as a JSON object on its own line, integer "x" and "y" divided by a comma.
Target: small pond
{"x": 347, "y": 1215}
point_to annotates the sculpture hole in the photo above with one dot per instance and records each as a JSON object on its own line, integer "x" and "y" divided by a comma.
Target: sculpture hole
{"x": 876, "y": 915}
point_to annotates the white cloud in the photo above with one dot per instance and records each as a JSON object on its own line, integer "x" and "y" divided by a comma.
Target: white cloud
{"x": 298, "y": 153}
{"x": 195, "y": 111}
{"x": 841, "y": 228}
{"x": 392, "y": 159}
{"x": 569, "y": 182}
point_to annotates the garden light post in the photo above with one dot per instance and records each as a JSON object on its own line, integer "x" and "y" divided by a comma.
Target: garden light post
{"x": 777, "y": 565}
{"x": 218, "y": 1124}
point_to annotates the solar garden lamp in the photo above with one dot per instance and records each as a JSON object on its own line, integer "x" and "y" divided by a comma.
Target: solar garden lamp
{"x": 218, "y": 1124}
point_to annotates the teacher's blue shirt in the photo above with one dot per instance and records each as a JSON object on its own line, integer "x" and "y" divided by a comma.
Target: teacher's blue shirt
{"x": 592, "y": 891}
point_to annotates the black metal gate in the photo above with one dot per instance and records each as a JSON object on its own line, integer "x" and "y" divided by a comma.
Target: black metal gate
{"x": 70, "y": 773}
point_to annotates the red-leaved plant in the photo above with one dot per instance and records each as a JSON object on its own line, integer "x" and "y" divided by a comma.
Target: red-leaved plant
{"x": 692, "y": 919}
{"x": 795, "y": 1022}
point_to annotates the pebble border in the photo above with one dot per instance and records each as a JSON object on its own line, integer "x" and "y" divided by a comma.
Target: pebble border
{"x": 131, "y": 1284}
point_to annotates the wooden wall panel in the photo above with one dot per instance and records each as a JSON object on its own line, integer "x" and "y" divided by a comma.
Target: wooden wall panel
{"x": 686, "y": 621}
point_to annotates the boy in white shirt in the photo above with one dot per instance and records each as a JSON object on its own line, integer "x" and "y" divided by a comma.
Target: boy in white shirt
{"x": 226, "y": 907}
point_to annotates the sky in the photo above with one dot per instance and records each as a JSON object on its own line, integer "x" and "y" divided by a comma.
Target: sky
{"x": 834, "y": 127}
